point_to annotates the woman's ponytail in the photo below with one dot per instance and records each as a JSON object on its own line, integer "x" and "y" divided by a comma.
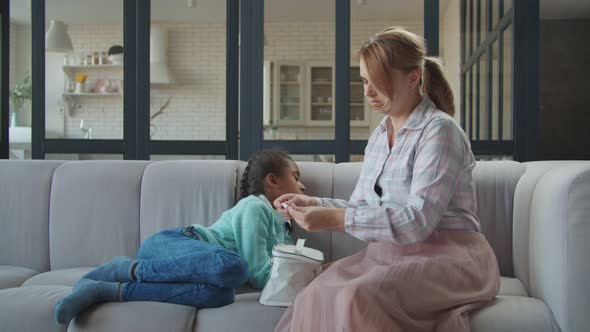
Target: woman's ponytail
{"x": 436, "y": 86}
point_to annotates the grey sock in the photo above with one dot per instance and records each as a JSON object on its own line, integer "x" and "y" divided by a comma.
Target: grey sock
{"x": 86, "y": 293}
{"x": 117, "y": 269}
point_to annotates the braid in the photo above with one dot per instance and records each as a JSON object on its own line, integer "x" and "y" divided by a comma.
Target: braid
{"x": 244, "y": 184}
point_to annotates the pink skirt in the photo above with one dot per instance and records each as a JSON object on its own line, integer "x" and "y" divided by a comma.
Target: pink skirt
{"x": 427, "y": 286}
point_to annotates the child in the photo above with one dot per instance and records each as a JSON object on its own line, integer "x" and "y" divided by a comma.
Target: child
{"x": 195, "y": 265}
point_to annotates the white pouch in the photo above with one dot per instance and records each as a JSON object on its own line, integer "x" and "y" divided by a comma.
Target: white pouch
{"x": 293, "y": 268}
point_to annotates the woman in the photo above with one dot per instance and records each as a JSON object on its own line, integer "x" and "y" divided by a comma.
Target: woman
{"x": 427, "y": 265}
{"x": 195, "y": 265}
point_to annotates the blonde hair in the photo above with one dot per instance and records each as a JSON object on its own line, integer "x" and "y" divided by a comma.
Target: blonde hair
{"x": 397, "y": 48}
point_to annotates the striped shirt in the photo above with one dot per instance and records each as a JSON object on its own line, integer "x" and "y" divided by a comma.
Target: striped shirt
{"x": 425, "y": 181}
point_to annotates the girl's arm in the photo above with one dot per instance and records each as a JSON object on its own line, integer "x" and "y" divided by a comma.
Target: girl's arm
{"x": 251, "y": 231}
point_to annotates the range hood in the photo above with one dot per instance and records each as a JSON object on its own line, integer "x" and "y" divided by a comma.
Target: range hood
{"x": 159, "y": 72}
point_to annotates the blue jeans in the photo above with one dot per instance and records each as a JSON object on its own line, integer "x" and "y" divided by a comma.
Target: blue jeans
{"x": 175, "y": 266}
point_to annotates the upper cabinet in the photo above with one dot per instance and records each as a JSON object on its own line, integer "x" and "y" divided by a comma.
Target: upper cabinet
{"x": 302, "y": 94}
{"x": 359, "y": 109}
{"x": 320, "y": 89}
{"x": 288, "y": 93}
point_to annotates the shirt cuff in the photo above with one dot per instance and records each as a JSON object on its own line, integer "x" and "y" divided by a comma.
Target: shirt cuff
{"x": 318, "y": 202}
{"x": 349, "y": 224}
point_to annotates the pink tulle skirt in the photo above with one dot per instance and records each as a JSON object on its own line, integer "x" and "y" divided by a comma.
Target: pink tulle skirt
{"x": 427, "y": 286}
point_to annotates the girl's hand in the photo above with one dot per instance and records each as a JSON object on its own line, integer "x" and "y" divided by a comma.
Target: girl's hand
{"x": 313, "y": 218}
{"x": 292, "y": 199}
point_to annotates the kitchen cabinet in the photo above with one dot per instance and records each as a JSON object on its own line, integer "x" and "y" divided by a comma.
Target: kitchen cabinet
{"x": 359, "y": 108}
{"x": 288, "y": 93}
{"x": 302, "y": 94}
{"x": 320, "y": 89}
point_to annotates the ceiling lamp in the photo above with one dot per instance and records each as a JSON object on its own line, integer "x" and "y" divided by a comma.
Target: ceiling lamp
{"x": 57, "y": 39}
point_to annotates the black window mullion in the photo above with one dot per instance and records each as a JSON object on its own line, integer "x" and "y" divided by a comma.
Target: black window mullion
{"x": 4, "y": 78}
{"x": 38, "y": 79}
{"x": 83, "y": 146}
{"x": 477, "y": 74}
{"x": 490, "y": 81}
{"x": 431, "y": 26}
{"x": 130, "y": 79}
{"x": 142, "y": 111}
{"x": 471, "y": 103}
{"x": 342, "y": 77}
{"x": 525, "y": 87}
{"x": 251, "y": 80}
{"x": 231, "y": 79}
{"x": 500, "y": 83}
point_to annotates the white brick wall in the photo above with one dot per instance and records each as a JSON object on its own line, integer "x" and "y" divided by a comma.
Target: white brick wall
{"x": 196, "y": 57}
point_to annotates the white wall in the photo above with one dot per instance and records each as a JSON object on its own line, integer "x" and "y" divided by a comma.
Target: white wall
{"x": 450, "y": 49}
{"x": 196, "y": 57}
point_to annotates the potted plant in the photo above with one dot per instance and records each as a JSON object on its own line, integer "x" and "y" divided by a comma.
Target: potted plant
{"x": 18, "y": 96}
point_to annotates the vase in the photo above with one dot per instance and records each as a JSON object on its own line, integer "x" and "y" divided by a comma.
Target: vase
{"x": 14, "y": 119}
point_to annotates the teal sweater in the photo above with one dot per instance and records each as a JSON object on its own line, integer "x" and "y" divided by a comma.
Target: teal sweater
{"x": 251, "y": 228}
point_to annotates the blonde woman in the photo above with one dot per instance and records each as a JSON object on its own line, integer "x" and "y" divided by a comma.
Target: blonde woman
{"x": 427, "y": 264}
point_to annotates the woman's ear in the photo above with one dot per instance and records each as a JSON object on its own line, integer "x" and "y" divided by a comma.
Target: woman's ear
{"x": 414, "y": 78}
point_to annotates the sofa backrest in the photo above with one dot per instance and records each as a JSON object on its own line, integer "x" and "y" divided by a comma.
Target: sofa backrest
{"x": 94, "y": 212}
{"x": 81, "y": 213}
{"x": 25, "y": 188}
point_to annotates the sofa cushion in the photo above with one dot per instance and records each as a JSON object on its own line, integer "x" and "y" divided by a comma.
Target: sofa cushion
{"x": 495, "y": 182}
{"x": 523, "y": 196}
{"x": 345, "y": 178}
{"x": 514, "y": 313}
{"x": 62, "y": 277}
{"x": 30, "y": 309}
{"x": 13, "y": 276}
{"x": 136, "y": 316}
{"x": 94, "y": 212}
{"x": 512, "y": 286}
{"x": 181, "y": 193}
{"x": 246, "y": 313}
{"x": 24, "y": 212}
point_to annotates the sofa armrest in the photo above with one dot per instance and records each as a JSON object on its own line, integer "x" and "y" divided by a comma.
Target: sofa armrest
{"x": 559, "y": 247}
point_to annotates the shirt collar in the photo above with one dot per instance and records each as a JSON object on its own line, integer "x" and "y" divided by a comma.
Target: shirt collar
{"x": 265, "y": 200}
{"x": 416, "y": 120}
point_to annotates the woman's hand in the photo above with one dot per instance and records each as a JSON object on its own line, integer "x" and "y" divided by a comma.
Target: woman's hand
{"x": 313, "y": 218}
{"x": 293, "y": 199}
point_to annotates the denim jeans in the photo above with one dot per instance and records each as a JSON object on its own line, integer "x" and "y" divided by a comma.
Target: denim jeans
{"x": 175, "y": 266}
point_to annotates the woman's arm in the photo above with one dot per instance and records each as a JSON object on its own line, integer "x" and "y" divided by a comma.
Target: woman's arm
{"x": 438, "y": 162}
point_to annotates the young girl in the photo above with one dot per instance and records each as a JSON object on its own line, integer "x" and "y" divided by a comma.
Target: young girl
{"x": 195, "y": 265}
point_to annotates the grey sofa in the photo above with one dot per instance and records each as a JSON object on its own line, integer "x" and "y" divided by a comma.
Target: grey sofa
{"x": 59, "y": 219}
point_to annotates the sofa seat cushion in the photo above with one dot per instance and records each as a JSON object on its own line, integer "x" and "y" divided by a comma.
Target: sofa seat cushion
{"x": 13, "y": 276}
{"x": 512, "y": 286}
{"x": 514, "y": 313}
{"x": 246, "y": 313}
{"x": 61, "y": 277}
{"x": 136, "y": 316}
{"x": 27, "y": 309}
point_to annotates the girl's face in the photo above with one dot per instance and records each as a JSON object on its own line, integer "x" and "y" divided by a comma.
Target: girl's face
{"x": 289, "y": 182}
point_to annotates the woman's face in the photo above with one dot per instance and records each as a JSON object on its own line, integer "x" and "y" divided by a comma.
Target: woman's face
{"x": 400, "y": 88}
